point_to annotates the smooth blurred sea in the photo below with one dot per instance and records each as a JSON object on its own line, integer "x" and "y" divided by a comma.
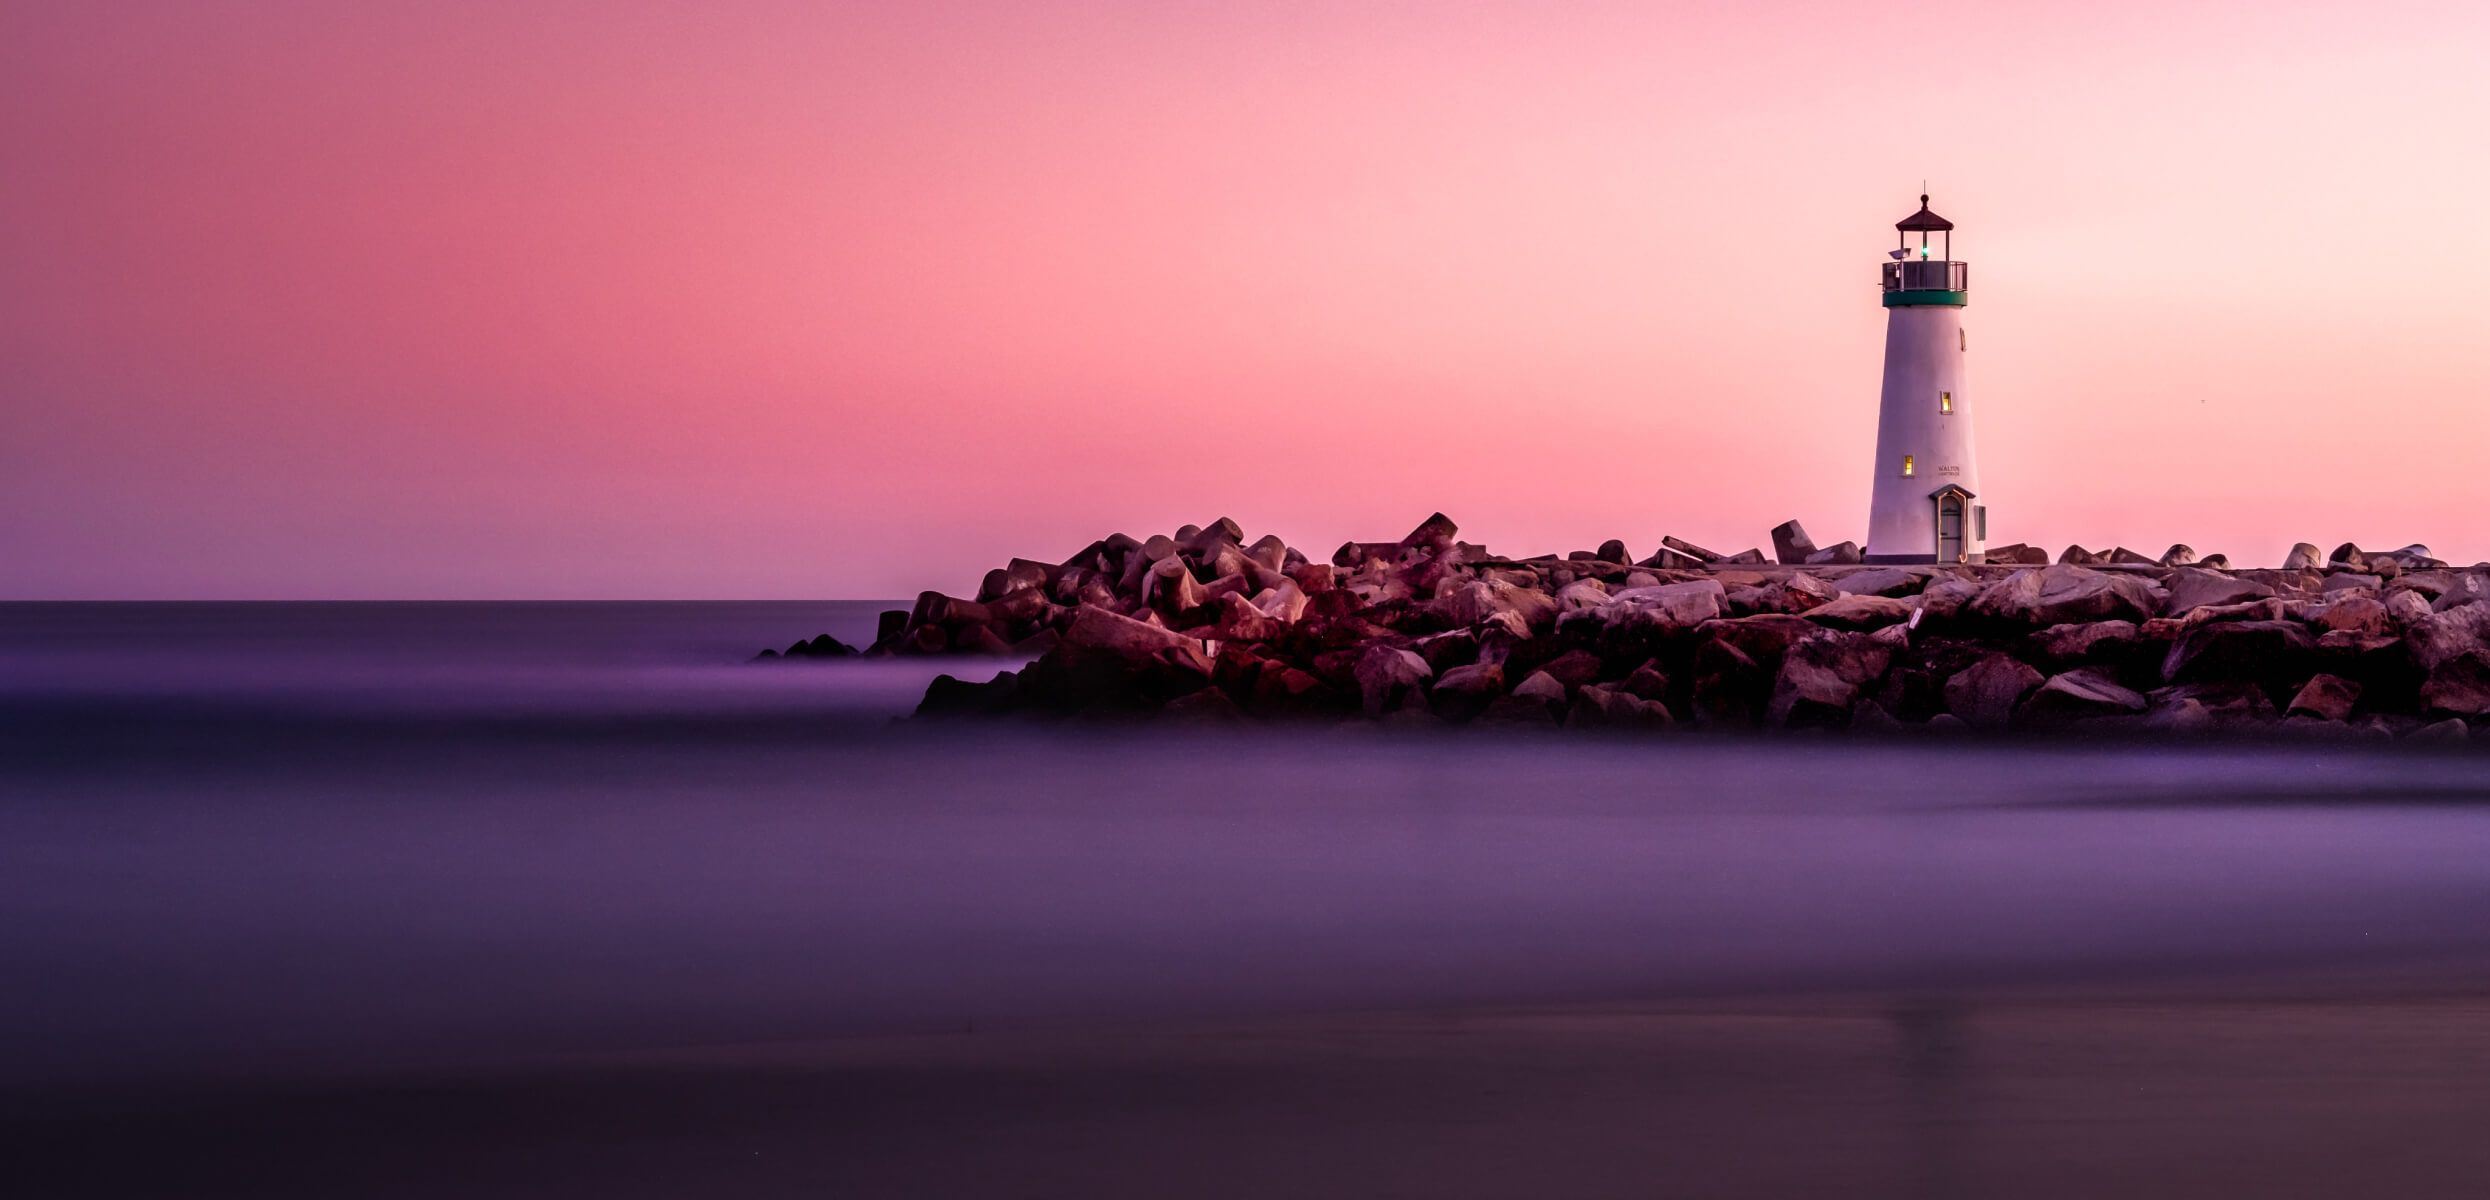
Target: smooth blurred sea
{"x": 272, "y": 839}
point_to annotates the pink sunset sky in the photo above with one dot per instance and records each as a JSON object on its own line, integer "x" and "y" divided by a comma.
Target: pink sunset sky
{"x": 715, "y": 299}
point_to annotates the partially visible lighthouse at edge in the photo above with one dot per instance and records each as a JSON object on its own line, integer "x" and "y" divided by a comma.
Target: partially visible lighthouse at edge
{"x": 1926, "y": 505}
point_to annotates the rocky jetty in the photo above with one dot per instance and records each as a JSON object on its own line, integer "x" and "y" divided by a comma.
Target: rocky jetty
{"x": 1431, "y": 630}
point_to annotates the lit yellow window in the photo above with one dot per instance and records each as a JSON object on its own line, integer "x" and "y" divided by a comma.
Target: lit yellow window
{"x": 1945, "y": 402}
{"x": 1909, "y": 467}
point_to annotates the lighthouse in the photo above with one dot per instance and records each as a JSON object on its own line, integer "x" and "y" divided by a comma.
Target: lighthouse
{"x": 1926, "y": 503}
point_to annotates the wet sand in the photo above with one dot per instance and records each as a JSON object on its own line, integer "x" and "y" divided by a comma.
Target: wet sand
{"x": 2285, "y": 1095}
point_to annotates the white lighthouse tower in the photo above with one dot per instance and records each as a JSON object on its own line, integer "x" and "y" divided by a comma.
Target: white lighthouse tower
{"x": 1926, "y": 506}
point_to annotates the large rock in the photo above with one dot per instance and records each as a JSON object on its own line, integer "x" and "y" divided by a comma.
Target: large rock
{"x": 1481, "y": 599}
{"x": 1821, "y": 677}
{"x": 2303, "y": 557}
{"x": 1861, "y": 612}
{"x": 1606, "y": 708}
{"x": 2084, "y": 641}
{"x": 1689, "y": 549}
{"x": 2058, "y": 595}
{"x": 2364, "y": 615}
{"x": 2016, "y": 553}
{"x": 2270, "y": 652}
{"x": 2080, "y": 695}
{"x": 1762, "y": 639}
{"x": 2325, "y": 697}
{"x": 1668, "y": 607}
{"x": 1388, "y": 677}
{"x": 1790, "y": 543}
{"x": 2192, "y": 588}
{"x": 2178, "y": 555}
{"x": 1881, "y": 581}
{"x": 2458, "y": 687}
{"x": 1434, "y": 533}
{"x": 1839, "y": 553}
{"x": 2443, "y": 636}
{"x": 1984, "y": 695}
{"x": 1945, "y": 599}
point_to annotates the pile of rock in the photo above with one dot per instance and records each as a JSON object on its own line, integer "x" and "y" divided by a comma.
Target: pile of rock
{"x": 1433, "y": 630}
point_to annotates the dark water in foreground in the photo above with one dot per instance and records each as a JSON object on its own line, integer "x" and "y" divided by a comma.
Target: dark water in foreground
{"x": 345, "y": 842}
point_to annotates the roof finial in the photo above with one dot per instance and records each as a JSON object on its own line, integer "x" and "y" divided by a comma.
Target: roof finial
{"x": 1923, "y": 193}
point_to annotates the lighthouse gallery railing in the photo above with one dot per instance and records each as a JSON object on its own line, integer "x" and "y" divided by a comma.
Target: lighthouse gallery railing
{"x": 1927, "y": 275}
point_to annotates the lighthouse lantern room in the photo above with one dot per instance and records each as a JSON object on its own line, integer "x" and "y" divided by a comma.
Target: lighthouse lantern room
{"x": 1925, "y": 506}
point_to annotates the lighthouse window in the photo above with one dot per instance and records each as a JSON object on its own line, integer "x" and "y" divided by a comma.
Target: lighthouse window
{"x": 1945, "y": 402}
{"x": 1962, "y": 340}
{"x": 1909, "y": 467}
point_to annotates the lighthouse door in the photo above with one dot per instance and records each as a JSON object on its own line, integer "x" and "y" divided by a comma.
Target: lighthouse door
{"x": 1950, "y": 515}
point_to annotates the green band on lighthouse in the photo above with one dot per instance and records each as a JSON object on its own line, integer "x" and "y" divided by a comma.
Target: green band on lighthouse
{"x": 1925, "y": 296}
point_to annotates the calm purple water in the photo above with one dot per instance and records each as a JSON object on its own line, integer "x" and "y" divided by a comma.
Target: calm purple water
{"x": 290, "y": 838}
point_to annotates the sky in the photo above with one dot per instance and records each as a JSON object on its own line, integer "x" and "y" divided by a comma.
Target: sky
{"x": 757, "y": 299}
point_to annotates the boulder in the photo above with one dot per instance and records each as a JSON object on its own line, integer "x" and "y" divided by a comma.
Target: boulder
{"x": 1284, "y": 691}
{"x": 2325, "y": 697}
{"x": 1464, "y": 692}
{"x": 1543, "y": 687}
{"x": 1605, "y": 708}
{"x": 1647, "y": 682}
{"x": 1573, "y": 668}
{"x": 821, "y": 646}
{"x": 2058, "y": 595}
{"x": 2405, "y": 608}
{"x": 1839, "y": 553}
{"x": 1729, "y": 685}
{"x": 1668, "y": 607}
{"x": 2348, "y": 555}
{"x": 2364, "y": 615}
{"x": 1614, "y": 551}
{"x": 1820, "y": 679}
{"x": 2442, "y": 636}
{"x": 2078, "y": 556}
{"x": 1944, "y": 599}
{"x": 2178, "y": 555}
{"x": 1169, "y": 586}
{"x": 1207, "y": 706}
{"x": 1434, "y": 533}
{"x": 2017, "y": 553}
{"x": 1761, "y": 639}
{"x": 1790, "y": 543}
{"x": 2303, "y": 557}
{"x": 2458, "y": 687}
{"x": 2467, "y": 588}
{"x": 1481, "y": 599}
{"x": 2271, "y": 652}
{"x": 2440, "y": 732}
{"x": 1388, "y": 677}
{"x": 1749, "y": 557}
{"x": 2122, "y": 556}
{"x": 1881, "y": 581}
{"x": 1581, "y": 594}
{"x": 1667, "y": 558}
{"x": 2079, "y": 695}
{"x": 948, "y": 696}
{"x": 1689, "y": 549}
{"x": 1861, "y": 612}
{"x": 2215, "y": 562}
{"x": 1984, "y": 695}
{"x": 2192, "y": 588}
{"x": 2084, "y": 641}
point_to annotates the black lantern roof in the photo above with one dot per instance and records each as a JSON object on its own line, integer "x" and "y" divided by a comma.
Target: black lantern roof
{"x": 1924, "y": 221}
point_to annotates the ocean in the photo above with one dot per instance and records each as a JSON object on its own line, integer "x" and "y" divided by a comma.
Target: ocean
{"x": 323, "y": 845}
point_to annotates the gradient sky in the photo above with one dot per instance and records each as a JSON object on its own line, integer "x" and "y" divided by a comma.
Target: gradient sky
{"x": 712, "y": 299}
